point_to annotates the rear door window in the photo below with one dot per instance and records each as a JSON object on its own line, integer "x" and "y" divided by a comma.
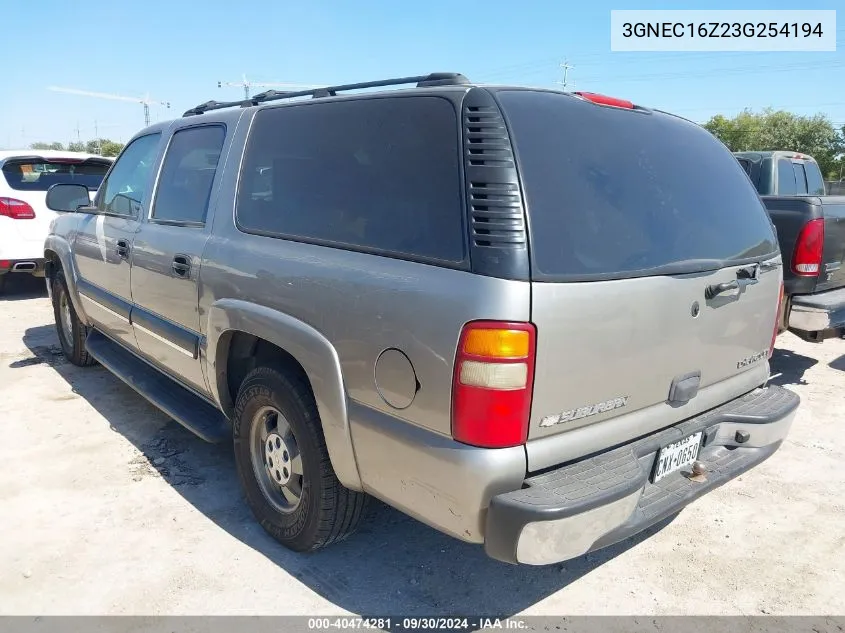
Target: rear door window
{"x": 786, "y": 178}
{"x": 187, "y": 174}
{"x": 379, "y": 174}
{"x": 800, "y": 179}
{"x": 618, "y": 193}
{"x": 39, "y": 175}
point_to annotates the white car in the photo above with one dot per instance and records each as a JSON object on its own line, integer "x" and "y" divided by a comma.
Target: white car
{"x": 24, "y": 216}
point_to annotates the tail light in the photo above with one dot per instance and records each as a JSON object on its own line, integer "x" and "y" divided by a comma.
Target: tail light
{"x": 16, "y": 209}
{"x": 493, "y": 383}
{"x": 807, "y": 258}
{"x": 777, "y": 321}
{"x": 605, "y": 100}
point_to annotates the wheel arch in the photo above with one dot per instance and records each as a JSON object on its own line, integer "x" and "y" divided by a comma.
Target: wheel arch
{"x": 241, "y": 330}
{"x": 57, "y": 256}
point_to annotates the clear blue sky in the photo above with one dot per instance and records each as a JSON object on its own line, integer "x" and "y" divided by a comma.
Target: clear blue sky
{"x": 177, "y": 51}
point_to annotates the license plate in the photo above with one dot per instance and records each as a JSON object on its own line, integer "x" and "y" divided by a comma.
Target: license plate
{"x": 675, "y": 456}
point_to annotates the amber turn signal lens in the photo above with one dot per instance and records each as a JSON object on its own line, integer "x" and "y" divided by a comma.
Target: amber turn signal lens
{"x": 497, "y": 343}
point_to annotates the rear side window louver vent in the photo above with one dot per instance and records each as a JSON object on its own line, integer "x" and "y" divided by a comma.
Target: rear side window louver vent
{"x": 497, "y": 216}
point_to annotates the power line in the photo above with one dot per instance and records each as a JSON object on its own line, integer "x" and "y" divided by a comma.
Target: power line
{"x": 617, "y": 57}
{"x": 720, "y": 71}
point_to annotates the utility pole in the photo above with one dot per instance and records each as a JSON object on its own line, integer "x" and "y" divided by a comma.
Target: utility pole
{"x": 565, "y": 66}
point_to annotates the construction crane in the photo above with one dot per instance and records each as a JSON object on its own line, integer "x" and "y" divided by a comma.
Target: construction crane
{"x": 145, "y": 100}
{"x": 246, "y": 85}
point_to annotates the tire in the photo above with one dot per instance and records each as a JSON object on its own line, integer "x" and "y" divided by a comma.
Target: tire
{"x": 72, "y": 341}
{"x": 326, "y": 511}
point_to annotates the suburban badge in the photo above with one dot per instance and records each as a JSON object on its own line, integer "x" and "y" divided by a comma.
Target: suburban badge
{"x": 584, "y": 412}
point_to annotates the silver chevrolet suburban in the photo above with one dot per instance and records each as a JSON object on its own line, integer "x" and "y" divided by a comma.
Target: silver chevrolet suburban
{"x": 531, "y": 319}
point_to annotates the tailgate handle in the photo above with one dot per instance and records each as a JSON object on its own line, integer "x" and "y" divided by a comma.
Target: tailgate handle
{"x": 744, "y": 277}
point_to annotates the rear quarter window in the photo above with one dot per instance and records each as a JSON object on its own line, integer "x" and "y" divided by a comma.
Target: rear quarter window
{"x": 380, "y": 175}
{"x": 619, "y": 193}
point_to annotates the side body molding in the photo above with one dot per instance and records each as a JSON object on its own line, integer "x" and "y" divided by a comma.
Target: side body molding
{"x": 310, "y": 348}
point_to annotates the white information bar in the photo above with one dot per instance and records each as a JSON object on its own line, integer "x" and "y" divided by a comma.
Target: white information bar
{"x": 723, "y": 30}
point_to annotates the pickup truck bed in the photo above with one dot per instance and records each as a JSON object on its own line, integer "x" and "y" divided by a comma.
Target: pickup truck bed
{"x": 814, "y": 294}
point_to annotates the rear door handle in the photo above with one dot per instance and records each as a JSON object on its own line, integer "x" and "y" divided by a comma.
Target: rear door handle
{"x": 122, "y": 249}
{"x": 181, "y": 266}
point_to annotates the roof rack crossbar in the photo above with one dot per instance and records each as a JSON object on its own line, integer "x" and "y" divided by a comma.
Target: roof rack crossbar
{"x": 422, "y": 81}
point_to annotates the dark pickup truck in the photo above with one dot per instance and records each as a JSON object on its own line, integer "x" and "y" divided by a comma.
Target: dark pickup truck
{"x": 811, "y": 232}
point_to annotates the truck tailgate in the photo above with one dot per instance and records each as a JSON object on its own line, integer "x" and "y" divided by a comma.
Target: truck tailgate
{"x": 832, "y": 273}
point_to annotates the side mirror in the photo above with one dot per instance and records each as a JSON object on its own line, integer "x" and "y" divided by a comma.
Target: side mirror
{"x": 67, "y": 198}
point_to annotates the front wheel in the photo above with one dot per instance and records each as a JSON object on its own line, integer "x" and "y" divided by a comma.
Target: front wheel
{"x": 284, "y": 466}
{"x": 71, "y": 331}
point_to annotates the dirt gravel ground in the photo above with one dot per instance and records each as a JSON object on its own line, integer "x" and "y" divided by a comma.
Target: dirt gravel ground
{"x": 108, "y": 507}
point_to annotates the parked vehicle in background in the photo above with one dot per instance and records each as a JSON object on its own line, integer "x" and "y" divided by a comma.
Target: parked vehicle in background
{"x": 24, "y": 216}
{"x": 835, "y": 187}
{"x": 811, "y": 231}
{"x": 344, "y": 285}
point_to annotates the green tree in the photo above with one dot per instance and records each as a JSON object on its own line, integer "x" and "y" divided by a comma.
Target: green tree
{"x": 56, "y": 146}
{"x": 102, "y": 146}
{"x": 781, "y": 130}
{"x": 111, "y": 148}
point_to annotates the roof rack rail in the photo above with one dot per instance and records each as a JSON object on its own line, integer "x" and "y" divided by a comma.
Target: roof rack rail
{"x": 423, "y": 81}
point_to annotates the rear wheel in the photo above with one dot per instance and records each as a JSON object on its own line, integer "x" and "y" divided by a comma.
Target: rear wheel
{"x": 284, "y": 466}
{"x": 71, "y": 331}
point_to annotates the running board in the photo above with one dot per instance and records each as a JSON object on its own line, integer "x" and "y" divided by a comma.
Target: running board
{"x": 188, "y": 409}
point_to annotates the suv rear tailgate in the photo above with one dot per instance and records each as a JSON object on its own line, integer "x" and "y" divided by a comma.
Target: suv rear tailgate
{"x": 632, "y": 215}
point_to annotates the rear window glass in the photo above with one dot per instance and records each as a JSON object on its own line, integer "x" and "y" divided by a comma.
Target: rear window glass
{"x": 815, "y": 183}
{"x": 378, "y": 174}
{"x": 614, "y": 193}
{"x": 800, "y": 179}
{"x": 786, "y": 178}
{"x": 745, "y": 164}
{"x": 40, "y": 175}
